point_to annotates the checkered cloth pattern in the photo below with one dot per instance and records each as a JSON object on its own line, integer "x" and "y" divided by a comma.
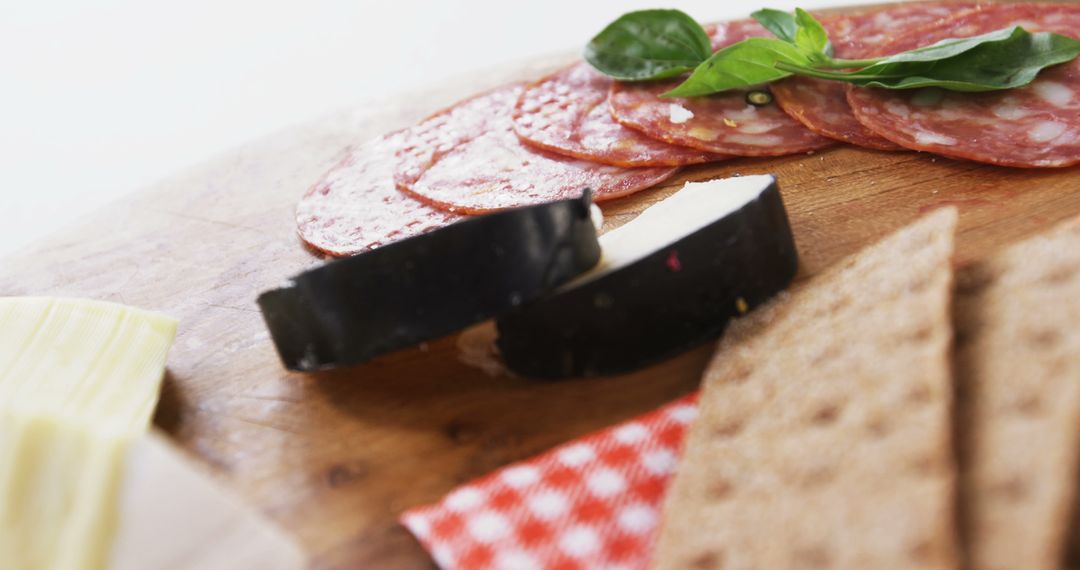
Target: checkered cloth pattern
{"x": 592, "y": 503}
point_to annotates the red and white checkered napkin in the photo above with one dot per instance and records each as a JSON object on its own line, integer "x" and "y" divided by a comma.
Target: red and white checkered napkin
{"x": 591, "y": 503}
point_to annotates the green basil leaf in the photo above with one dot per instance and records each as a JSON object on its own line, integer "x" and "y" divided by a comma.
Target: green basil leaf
{"x": 810, "y": 34}
{"x": 951, "y": 47}
{"x": 799, "y": 29}
{"x": 781, "y": 24}
{"x": 1003, "y": 59}
{"x": 749, "y": 62}
{"x": 658, "y": 44}
{"x": 649, "y": 44}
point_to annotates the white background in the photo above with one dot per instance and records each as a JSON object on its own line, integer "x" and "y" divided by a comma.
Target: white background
{"x": 101, "y": 98}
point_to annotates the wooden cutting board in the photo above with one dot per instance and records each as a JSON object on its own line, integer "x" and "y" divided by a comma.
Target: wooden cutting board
{"x": 335, "y": 457}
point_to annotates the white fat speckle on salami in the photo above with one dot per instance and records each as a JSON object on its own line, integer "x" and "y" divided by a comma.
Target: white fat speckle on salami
{"x": 931, "y": 138}
{"x": 566, "y": 113}
{"x": 355, "y": 207}
{"x": 1005, "y": 110}
{"x": 467, "y": 159}
{"x": 1054, "y": 93}
{"x": 1046, "y": 131}
{"x": 679, "y": 114}
{"x": 723, "y": 123}
{"x": 1034, "y": 126}
{"x": 822, "y": 105}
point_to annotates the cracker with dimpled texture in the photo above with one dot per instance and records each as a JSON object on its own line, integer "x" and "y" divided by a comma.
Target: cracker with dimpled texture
{"x": 1018, "y": 362}
{"x": 824, "y": 435}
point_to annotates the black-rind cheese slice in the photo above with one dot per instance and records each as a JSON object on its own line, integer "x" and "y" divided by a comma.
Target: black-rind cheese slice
{"x": 669, "y": 280}
{"x": 353, "y": 309}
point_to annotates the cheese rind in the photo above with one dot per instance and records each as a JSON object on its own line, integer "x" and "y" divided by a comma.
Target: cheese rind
{"x": 667, "y": 281}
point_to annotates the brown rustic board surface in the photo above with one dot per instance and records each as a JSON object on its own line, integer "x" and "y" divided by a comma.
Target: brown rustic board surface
{"x": 335, "y": 457}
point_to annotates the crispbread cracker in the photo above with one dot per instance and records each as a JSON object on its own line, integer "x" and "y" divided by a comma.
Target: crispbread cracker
{"x": 1017, "y": 318}
{"x": 823, "y": 439}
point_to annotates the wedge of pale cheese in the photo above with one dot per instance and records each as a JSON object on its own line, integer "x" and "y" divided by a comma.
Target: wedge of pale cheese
{"x": 91, "y": 360}
{"x": 79, "y": 379}
{"x": 59, "y": 484}
{"x": 76, "y": 497}
{"x": 82, "y": 485}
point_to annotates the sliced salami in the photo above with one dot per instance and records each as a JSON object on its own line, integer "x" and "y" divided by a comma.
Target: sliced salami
{"x": 822, "y": 105}
{"x": 355, "y": 207}
{"x": 726, "y": 33}
{"x": 724, "y": 123}
{"x": 1034, "y": 126}
{"x": 467, "y": 159}
{"x": 866, "y": 34}
{"x": 567, "y": 113}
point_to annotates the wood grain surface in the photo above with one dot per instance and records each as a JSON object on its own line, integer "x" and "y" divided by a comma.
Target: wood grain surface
{"x": 335, "y": 457}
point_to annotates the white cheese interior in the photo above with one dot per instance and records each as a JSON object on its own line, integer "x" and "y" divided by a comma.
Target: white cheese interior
{"x": 78, "y": 379}
{"x": 695, "y": 206}
{"x": 79, "y": 359}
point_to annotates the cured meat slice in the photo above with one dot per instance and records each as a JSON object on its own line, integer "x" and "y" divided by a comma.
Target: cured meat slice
{"x": 1034, "y": 126}
{"x": 443, "y": 131}
{"x": 822, "y": 105}
{"x": 567, "y": 113}
{"x": 726, "y": 33}
{"x": 355, "y": 207}
{"x": 723, "y": 123}
{"x": 864, "y": 35}
{"x": 1034, "y": 17}
{"x": 467, "y": 159}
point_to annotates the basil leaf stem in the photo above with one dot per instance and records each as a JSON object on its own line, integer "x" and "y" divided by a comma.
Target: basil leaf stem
{"x": 846, "y": 63}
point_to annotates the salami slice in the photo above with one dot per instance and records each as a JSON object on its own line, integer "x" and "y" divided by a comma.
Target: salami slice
{"x": 866, "y": 34}
{"x": 822, "y": 105}
{"x": 355, "y": 207}
{"x": 724, "y": 123}
{"x": 467, "y": 159}
{"x": 726, "y": 33}
{"x": 567, "y": 113}
{"x": 1034, "y": 126}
